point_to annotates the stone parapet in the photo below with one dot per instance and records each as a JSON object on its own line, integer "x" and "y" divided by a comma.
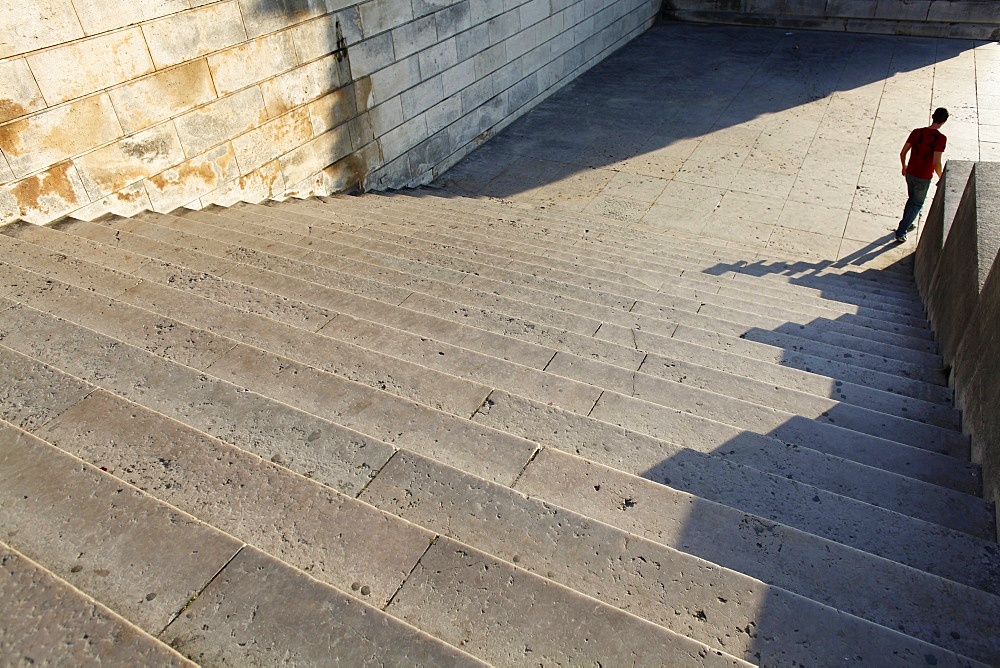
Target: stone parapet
{"x": 966, "y": 19}
{"x": 959, "y": 279}
{"x": 117, "y": 110}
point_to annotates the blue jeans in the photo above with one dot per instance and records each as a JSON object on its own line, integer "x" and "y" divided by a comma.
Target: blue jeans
{"x": 916, "y": 189}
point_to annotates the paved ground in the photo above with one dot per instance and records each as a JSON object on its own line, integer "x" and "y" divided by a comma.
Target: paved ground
{"x": 785, "y": 140}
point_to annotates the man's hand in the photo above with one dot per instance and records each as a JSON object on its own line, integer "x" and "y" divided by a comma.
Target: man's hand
{"x": 904, "y": 171}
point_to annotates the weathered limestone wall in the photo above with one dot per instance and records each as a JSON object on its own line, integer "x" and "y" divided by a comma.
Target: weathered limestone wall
{"x": 110, "y": 106}
{"x": 968, "y": 19}
{"x": 958, "y": 272}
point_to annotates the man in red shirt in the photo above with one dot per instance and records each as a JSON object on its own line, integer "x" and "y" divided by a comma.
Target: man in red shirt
{"x": 925, "y": 146}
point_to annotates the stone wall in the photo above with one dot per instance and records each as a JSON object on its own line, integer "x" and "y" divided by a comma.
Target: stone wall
{"x": 968, "y": 19}
{"x": 110, "y": 106}
{"x": 958, "y": 273}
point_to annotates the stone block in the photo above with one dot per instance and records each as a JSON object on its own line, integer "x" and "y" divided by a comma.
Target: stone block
{"x": 371, "y": 55}
{"x": 129, "y": 160}
{"x": 520, "y": 44}
{"x": 484, "y": 10}
{"x": 127, "y": 202}
{"x": 457, "y": 78}
{"x": 334, "y": 109}
{"x": 259, "y": 185}
{"x": 524, "y": 91}
{"x": 46, "y": 619}
{"x": 253, "y": 62}
{"x": 965, "y": 11}
{"x": 414, "y": 36}
{"x": 28, "y": 26}
{"x": 194, "y": 33}
{"x": 260, "y": 146}
{"x": 443, "y": 114}
{"x": 399, "y": 140}
{"x": 217, "y": 122}
{"x": 938, "y": 221}
{"x": 386, "y": 116}
{"x": 503, "y": 26}
{"x": 476, "y": 94}
{"x": 147, "y": 101}
{"x": 267, "y": 16}
{"x": 438, "y": 58}
{"x": 19, "y": 94}
{"x": 851, "y": 9}
{"x": 508, "y": 75}
{"x": 424, "y": 7}
{"x": 301, "y": 85}
{"x": 98, "y": 16}
{"x": 453, "y": 19}
{"x": 489, "y": 60}
{"x": 78, "y": 68}
{"x": 244, "y": 618}
{"x": 378, "y": 16}
{"x": 315, "y": 155}
{"x": 422, "y": 97}
{"x": 6, "y": 173}
{"x": 390, "y": 81}
{"x": 534, "y": 11}
{"x": 894, "y": 10}
{"x": 41, "y": 140}
{"x": 472, "y": 41}
{"x": 190, "y": 180}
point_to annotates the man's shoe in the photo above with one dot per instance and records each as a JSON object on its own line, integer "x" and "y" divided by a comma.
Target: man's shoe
{"x": 912, "y": 227}
{"x": 900, "y": 238}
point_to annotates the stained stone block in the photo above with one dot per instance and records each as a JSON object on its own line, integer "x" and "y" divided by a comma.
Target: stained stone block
{"x": 454, "y": 19}
{"x": 129, "y": 160}
{"x": 257, "y": 186}
{"x": 394, "y": 79}
{"x": 415, "y": 36}
{"x": 262, "y": 145}
{"x": 386, "y": 116}
{"x": 334, "y": 109}
{"x": 152, "y": 99}
{"x": 38, "y": 141}
{"x": 127, "y": 202}
{"x": 380, "y": 15}
{"x": 371, "y": 55}
{"x": 5, "y": 171}
{"x": 252, "y": 62}
{"x": 422, "y": 97}
{"x": 315, "y": 155}
{"x": 188, "y": 181}
{"x": 28, "y": 26}
{"x": 19, "y": 94}
{"x": 265, "y": 16}
{"x": 399, "y": 140}
{"x": 44, "y": 196}
{"x": 301, "y": 85}
{"x": 78, "y": 68}
{"x": 437, "y": 58}
{"x": 216, "y": 122}
{"x": 455, "y": 79}
{"x": 194, "y": 33}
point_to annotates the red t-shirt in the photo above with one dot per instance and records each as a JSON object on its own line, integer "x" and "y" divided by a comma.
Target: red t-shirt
{"x": 924, "y": 143}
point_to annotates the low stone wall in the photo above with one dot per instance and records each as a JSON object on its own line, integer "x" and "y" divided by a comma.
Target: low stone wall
{"x": 123, "y": 106}
{"x": 958, "y": 273}
{"x": 968, "y": 19}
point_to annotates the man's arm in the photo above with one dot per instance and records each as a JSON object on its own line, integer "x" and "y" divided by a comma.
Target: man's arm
{"x": 902, "y": 155}
{"x": 938, "y": 168}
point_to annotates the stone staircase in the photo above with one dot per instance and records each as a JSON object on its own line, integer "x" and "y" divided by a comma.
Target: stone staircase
{"x": 429, "y": 428}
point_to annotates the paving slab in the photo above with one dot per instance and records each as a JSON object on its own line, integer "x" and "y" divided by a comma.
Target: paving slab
{"x": 47, "y": 621}
{"x": 141, "y": 558}
{"x": 244, "y": 618}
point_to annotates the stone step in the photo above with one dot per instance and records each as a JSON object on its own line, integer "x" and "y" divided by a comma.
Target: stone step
{"x": 875, "y": 588}
{"x": 200, "y": 591}
{"x": 496, "y": 263}
{"x": 145, "y": 330}
{"x": 667, "y": 275}
{"x": 45, "y": 620}
{"x": 895, "y": 278}
{"x": 335, "y": 539}
{"x": 415, "y": 385}
{"x": 662, "y": 270}
{"x": 474, "y": 446}
{"x": 587, "y": 230}
{"x": 529, "y": 332}
{"x": 584, "y": 318}
{"x": 740, "y": 613}
{"x": 504, "y": 346}
{"x": 91, "y": 426}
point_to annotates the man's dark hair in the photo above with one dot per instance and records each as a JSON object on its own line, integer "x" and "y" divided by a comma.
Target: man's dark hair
{"x": 940, "y": 115}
